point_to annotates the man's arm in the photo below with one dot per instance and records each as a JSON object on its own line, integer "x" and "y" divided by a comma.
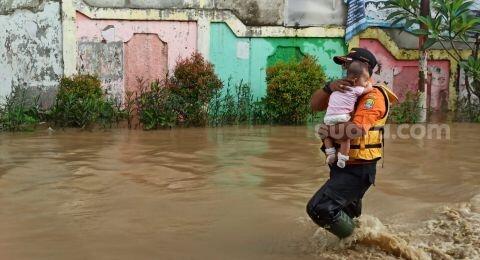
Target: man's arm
{"x": 319, "y": 100}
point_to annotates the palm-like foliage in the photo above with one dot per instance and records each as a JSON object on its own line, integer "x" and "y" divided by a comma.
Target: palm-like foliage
{"x": 449, "y": 23}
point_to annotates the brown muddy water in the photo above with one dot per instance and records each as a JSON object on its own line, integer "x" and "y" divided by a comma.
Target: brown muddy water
{"x": 229, "y": 193}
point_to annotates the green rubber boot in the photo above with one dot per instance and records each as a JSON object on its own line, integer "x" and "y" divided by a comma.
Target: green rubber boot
{"x": 343, "y": 226}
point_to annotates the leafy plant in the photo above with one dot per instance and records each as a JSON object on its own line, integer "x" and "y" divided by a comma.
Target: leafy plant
{"x": 19, "y": 112}
{"x": 449, "y": 23}
{"x": 467, "y": 112}
{"x": 222, "y": 109}
{"x": 408, "y": 111}
{"x": 130, "y": 108}
{"x": 80, "y": 102}
{"x": 155, "y": 107}
{"x": 110, "y": 113}
{"x": 193, "y": 85}
{"x": 259, "y": 113}
{"x": 237, "y": 108}
{"x": 289, "y": 88}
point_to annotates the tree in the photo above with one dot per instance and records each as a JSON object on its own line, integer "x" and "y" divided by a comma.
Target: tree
{"x": 450, "y": 23}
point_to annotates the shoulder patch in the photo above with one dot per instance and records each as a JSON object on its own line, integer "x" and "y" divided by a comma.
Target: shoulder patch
{"x": 369, "y": 103}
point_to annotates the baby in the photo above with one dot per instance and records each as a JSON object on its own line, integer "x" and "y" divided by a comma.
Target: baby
{"x": 340, "y": 107}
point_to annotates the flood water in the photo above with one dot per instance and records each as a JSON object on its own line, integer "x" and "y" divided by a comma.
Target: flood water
{"x": 228, "y": 193}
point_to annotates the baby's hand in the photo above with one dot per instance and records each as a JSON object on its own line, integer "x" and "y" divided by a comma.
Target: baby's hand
{"x": 368, "y": 87}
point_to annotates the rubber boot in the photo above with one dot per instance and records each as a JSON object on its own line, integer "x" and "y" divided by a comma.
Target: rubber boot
{"x": 342, "y": 227}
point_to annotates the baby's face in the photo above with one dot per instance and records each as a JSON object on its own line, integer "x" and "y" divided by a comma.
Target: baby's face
{"x": 358, "y": 70}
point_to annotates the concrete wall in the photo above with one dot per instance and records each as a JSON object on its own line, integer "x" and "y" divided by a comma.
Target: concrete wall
{"x": 246, "y": 58}
{"x": 147, "y": 59}
{"x": 463, "y": 93}
{"x": 315, "y": 12}
{"x": 104, "y": 60}
{"x": 44, "y": 41}
{"x": 250, "y": 12}
{"x": 409, "y": 41}
{"x": 31, "y": 52}
{"x": 9, "y": 6}
{"x": 402, "y": 75}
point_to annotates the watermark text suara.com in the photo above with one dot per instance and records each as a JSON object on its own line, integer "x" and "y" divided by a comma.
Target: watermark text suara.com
{"x": 390, "y": 131}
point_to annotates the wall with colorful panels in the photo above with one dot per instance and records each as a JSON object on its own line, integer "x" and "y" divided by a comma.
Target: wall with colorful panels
{"x": 398, "y": 67}
{"x": 123, "y": 45}
{"x": 122, "y": 52}
{"x": 402, "y": 75}
{"x": 122, "y": 41}
{"x": 245, "y": 59}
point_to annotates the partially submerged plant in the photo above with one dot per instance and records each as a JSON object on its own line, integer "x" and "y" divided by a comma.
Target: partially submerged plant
{"x": 193, "y": 85}
{"x": 19, "y": 112}
{"x": 155, "y": 107}
{"x": 237, "y": 108}
{"x": 290, "y": 86}
{"x": 81, "y": 102}
{"x": 408, "y": 111}
{"x": 467, "y": 111}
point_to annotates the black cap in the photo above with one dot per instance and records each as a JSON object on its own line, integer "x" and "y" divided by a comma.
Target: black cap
{"x": 359, "y": 54}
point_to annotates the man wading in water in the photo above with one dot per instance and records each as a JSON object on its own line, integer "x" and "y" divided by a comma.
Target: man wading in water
{"x": 339, "y": 200}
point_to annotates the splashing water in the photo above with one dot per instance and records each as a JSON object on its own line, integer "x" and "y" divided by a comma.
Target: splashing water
{"x": 452, "y": 234}
{"x": 370, "y": 234}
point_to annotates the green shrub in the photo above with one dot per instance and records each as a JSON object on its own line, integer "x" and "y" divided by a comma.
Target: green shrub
{"x": 19, "y": 112}
{"x": 130, "y": 108}
{"x": 408, "y": 111}
{"x": 290, "y": 86}
{"x": 110, "y": 113}
{"x": 155, "y": 107}
{"x": 80, "y": 102}
{"x": 259, "y": 113}
{"x": 468, "y": 111}
{"x": 237, "y": 108}
{"x": 193, "y": 85}
{"x": 221, "y": 110}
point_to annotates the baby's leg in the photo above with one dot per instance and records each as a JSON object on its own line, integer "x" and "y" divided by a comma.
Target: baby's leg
{"x": 343, "y": 153}
{"x": 329, "y": 150}
{"x": 345, "y": 146}
{"x": 328, "y": 142}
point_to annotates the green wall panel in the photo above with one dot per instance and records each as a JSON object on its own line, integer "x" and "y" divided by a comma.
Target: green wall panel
{"x": 285, "y": 54}
{"x": 247, "y": 58}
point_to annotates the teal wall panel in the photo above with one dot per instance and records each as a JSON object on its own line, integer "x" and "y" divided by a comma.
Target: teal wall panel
{"x": 247, "y": 58}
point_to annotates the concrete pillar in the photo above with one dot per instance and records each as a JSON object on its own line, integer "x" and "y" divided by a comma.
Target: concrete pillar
{"x": 203, "y": 37}
{"x": 69, "y": 38}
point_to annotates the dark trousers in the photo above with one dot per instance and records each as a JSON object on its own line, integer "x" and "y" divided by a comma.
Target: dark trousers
{"x": 344, "y": 190}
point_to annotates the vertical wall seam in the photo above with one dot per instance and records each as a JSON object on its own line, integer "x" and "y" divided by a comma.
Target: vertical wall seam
{"x": 69, "y": 38}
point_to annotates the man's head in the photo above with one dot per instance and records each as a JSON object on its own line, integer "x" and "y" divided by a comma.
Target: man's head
{"x": 360, "y": 55}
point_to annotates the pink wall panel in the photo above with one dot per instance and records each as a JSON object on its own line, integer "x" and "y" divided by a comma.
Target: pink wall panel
{"x": 406, "y": 80}
{"x": 145, "y": 58}
{"x": 180, "y": 37}
{"x": 402, "y": 75}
